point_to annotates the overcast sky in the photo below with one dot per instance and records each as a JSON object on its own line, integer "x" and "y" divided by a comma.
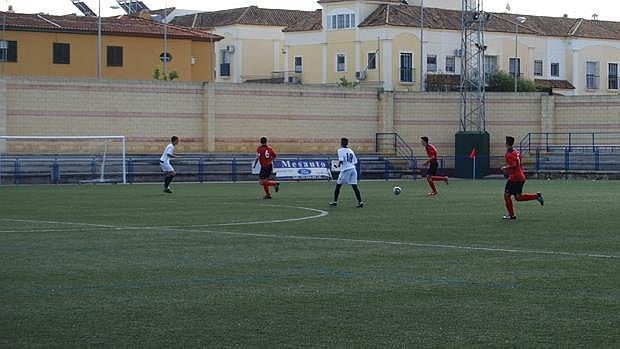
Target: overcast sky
{"x": 607, "y": 9}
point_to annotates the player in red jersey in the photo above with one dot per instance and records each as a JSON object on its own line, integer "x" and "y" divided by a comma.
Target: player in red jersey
{"x": 433, "y": 165}
{"x": 516, "y": 180}
{"x": 265, "y": 155}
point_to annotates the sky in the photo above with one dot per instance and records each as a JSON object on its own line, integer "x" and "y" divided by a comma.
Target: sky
{"x": 606, "y": 9}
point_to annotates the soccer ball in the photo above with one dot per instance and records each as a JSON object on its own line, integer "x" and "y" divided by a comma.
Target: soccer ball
{"x": 396, "y": 190}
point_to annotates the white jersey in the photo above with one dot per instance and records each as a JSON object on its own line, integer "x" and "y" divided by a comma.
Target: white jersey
{"x": 348, "y": 159}
{"x": 165, "y": 157}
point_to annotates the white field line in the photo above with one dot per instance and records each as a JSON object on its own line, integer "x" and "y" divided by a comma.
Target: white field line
{"x": 49, "y": 230}
{"x": 334, "y": 239}
{"x": 319, "y": 214}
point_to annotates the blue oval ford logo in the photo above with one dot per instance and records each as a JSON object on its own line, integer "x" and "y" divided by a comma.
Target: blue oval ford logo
{"x": 304, "y": 171}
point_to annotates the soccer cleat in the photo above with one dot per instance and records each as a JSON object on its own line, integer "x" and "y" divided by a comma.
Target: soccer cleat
{"x": 333, "y": 204}
{"x": 267, "y": 197}
{"x": 509, "y": 218}
{"x": 168, "y": 190}
{"x": 360, "y": 204}
{"x": 432, "y": 194}
{"x": 540, "y": 199}
{"x": 277, "y": 187}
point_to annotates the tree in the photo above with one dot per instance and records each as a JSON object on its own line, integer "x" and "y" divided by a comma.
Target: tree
{"x": 158, "y": 75}
{"x": 343, "y": 82}
{"x": 501, "y": 81}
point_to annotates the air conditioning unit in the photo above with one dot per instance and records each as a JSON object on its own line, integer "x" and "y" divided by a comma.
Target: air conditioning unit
{"x": 230, "y": 48}
{"x": 361, "y": 75}
{"x": 293, "y": 80}
{"x": 458, "y": 52}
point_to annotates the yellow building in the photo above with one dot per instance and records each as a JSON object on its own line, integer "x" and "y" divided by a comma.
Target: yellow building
{"x": 253, "y": 44}
{"x": 378, "y": 43}
{"x": 132, "y": 47}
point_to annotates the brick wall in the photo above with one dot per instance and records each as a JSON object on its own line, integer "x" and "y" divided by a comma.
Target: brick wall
{"x": 296, "y": 119}
{"x": 230, "y": 118}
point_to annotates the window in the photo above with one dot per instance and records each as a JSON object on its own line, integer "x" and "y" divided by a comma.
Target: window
{"x": 298, "y": 64}
{"x": 372, "y": 61}
{"x": 450, "y": 64}
{"x": 490, "y": 67}
{"x": 555, "y": 69}
{"x": 8, "y": 51}
{"x": 341, "y": 63}
{"x": 225, "y": 64}
{"x": 538, "y": 68}
{"x": 431, "y": 63}
{"x": 406, "y": 67}
{"x": 115, "y": 56}
{"x": 514, "y": 67}
{"x": 613, "y": 76}
{"x": 592, "y": 75}
{"x": 341, "y": 21}
{"x": 62, "y": 53}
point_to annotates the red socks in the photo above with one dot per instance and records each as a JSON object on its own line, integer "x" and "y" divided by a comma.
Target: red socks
{"x": 266, "y": 184}
{"x": 527, "y": 197}
{"x": 432, "y": 185}
{"x": 509, "y": 207}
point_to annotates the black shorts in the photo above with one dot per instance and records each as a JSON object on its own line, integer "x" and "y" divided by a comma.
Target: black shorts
{"x": 265, "y": 172}
{"x": 514, "y": 188}
{"x": 432, "y": 168}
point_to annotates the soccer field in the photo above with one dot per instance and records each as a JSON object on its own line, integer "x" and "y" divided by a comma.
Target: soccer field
{"x": 213, "y": 265}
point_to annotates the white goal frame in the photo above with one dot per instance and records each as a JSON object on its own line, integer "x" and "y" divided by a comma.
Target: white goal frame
{"x": 60, "y": 138}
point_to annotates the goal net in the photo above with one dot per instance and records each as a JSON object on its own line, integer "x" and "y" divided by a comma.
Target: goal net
{"x": 62, "y": 159}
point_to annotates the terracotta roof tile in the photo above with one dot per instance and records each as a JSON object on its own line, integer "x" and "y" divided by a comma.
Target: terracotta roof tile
{"x": 122, "y": 25}
{"x": 434, "y": 18}
{"x": 308, "y": 23}
{"x": 251, "y": 15}
{"x": 557, "y": 84}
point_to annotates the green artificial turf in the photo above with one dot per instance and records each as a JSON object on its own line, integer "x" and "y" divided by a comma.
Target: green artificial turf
{"x": 127, "y": 266}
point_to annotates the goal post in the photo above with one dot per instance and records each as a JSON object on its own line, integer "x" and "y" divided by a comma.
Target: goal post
{"x": 83, "y": 159}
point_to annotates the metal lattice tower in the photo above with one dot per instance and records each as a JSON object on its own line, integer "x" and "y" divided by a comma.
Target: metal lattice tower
{"x": 473, "y": 21}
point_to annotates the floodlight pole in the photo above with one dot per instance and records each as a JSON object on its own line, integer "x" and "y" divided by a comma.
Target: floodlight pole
{"x": 99, "y": 75}
{"x": 422, "y": 82}
{"x": 166, "y": 41}
{"x": 519, "y": 20}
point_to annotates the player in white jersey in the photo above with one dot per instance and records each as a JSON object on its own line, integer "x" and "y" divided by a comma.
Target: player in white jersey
{"x": 164, "y": 162}
{"x": 348, "y": 173}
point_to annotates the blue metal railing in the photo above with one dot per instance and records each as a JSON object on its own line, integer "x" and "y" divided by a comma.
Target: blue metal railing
{"x": 574, "y": 141}
{"x": 57, "y": 170}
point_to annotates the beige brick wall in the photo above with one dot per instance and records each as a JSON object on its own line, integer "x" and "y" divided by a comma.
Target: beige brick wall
{"x": 147, "y": 113}
{"x": 298, "y": 119}
{"x": 295, "y": 119}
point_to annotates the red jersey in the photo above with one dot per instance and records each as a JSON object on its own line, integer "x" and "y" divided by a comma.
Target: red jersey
{"x": 431, "y": 151}
{"x": 266, "y": 155}
{"x": 515, "y": 170}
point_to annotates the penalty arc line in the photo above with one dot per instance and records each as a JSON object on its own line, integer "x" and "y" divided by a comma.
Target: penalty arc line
{"x": 320, "y": 214}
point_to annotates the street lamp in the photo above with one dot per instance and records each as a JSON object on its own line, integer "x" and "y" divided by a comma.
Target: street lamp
{"x": 517, "y": 66}
{"x": 166, "y": 56}
{"x": 99, "y": 42}
{"x": 99, "y": 48}
{"x": 406, "y": 2}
